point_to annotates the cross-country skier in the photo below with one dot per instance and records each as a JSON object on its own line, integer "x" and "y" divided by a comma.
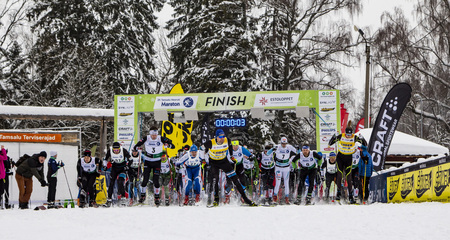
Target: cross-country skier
{"x": 284, "y": 153}
{"x": 88, "y": 168}
{"x": 167, "y": 175}
{"x": 192, "y": 161}
{"x": 251, "y": 173}
{"x": 356, "y": 157}
{"x": 308, "y": 168}
{"x": 330, "y": 167}
{"x": 347, "y": 146}
{"x": 134, "y": 173}
{"x": 218, "y": 150}
{"x": 153, "y": 150}
{"x": 120, "y": 160}
{"x": 239, "y": 153}
{"x": 267, "y": 162}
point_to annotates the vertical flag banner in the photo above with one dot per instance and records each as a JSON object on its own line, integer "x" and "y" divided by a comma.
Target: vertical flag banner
{"x": 179, "y": 133}
{"x": 327, "y": 119}
{"x": 125, "y": 120}
{"x": 387, "y": 120}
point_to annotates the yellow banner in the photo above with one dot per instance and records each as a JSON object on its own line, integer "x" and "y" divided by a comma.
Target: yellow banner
{"x": 407, "y": 191}
{"x": 393, "y": 189}
{"x": 423, "y": 185}
{"x": 179, "y": 133}
{"x": 441, "y": 183}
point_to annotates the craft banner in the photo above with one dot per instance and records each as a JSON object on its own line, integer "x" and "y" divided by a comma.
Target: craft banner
{"x": 387, "y": 120}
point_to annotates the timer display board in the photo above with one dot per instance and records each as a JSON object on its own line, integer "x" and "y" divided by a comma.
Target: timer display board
{"x": 230, "y": 122}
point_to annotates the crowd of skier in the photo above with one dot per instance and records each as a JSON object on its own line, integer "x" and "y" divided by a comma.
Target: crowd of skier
{"x": 220, "y": 171}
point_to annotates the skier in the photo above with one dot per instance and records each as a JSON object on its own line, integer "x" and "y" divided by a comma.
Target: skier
{"x": 52, "y": 172}
{"x": 365, "y": 172}
{"x": 120, "y": 160}
{"x": 284, "y": 153}
{"x": 251, "y": 173}
{"x": 307, "y": 166}
{"x": 167, "y": 172}
{"x": 153, "y": 150}
{"x": 347, "y": 146}
{"x": 356, "y": 157}
{"x": 239, "y": 153}
{"x": 330, "y": 167}
{"x": 134, "y": 172}
{"x": 31, "y": 166}
{"x": 267, "y": 162}
{"x": 192, "y": 161}
{"x": 218, "y": 150}
{"x": 87, "y": 171}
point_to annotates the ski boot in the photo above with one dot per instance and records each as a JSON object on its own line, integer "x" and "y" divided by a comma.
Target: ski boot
{"x": 51, "y": 205}
{"x": 308, "y": 200}
{"x": 216, "y": 201}
{"x": 252, "y": 204}
{"x": 269, "y": 201}
{"x": 93, "y": 204}
{"x": 186, "y": 200}
{"x": 351, "y": 200}
{"x": 286, "y": 200}
{"x": 142, "y": 198}
{"x": 167, "y": 202}
{"x": 298, "y": 201}
{"x": 197, "y": 198}
{"x": 8, "y": 206}
{"x": 227, "y": 199}
{"x": 157, "y": 200}
{"x": 109, "y": 202}
{"x": 83, "y": 205}
{"x": 275, "y": 199}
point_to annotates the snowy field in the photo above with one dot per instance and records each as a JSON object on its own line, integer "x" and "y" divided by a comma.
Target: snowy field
{"x": 377, "y": 221}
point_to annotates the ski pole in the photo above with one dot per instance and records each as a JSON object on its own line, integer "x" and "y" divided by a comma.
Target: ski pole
{"x": 71, "y": 197}
{"x": 364, "y": 182}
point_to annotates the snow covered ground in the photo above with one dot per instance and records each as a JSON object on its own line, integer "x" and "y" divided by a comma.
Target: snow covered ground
{"x": 377, "y": 221}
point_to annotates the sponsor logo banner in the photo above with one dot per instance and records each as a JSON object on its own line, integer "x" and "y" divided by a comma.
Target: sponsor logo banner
{"x": 441, "y": 182}
{"x": 423, "y": 185}
{"x": 407, "y": 186}
{"x": 176, "y": 102}
{"x": 393, "y": 187}
{"x": 29, "y": 137}
{"x": 388, "y": 117}
{"x": 276, "y": 99}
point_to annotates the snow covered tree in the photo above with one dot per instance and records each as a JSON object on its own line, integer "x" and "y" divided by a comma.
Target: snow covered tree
{"x": 214, "y": 53}
{"x": 419, "y": 55}
{"x": 302, "y": 49}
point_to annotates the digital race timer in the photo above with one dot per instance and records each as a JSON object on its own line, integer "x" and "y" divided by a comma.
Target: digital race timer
{"x": 231, "y": 122}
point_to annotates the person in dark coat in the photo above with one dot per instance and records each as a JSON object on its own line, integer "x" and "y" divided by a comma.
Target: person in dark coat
{"x": 33, "y": 166}
{"x": 365, "y": 172}
{"x": 52, "y": 180}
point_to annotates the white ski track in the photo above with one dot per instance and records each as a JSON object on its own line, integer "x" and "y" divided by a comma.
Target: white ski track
{"x": 412, "y": 221}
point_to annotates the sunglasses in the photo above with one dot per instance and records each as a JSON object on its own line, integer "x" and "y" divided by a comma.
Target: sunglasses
{"x": 221, "y": 136}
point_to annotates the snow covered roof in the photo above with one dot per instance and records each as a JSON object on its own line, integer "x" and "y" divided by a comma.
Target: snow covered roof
{"x": 405, "y": 144}
{"x": 56, "y": 113}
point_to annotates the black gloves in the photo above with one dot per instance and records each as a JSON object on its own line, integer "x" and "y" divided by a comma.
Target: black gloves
{"x": 43, "y": 183}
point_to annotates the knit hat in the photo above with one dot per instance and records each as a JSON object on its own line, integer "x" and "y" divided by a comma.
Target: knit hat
{"x": 219, "y": 132}
{"x": 43, "y": 154}
{"x": 53, "y": 153}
